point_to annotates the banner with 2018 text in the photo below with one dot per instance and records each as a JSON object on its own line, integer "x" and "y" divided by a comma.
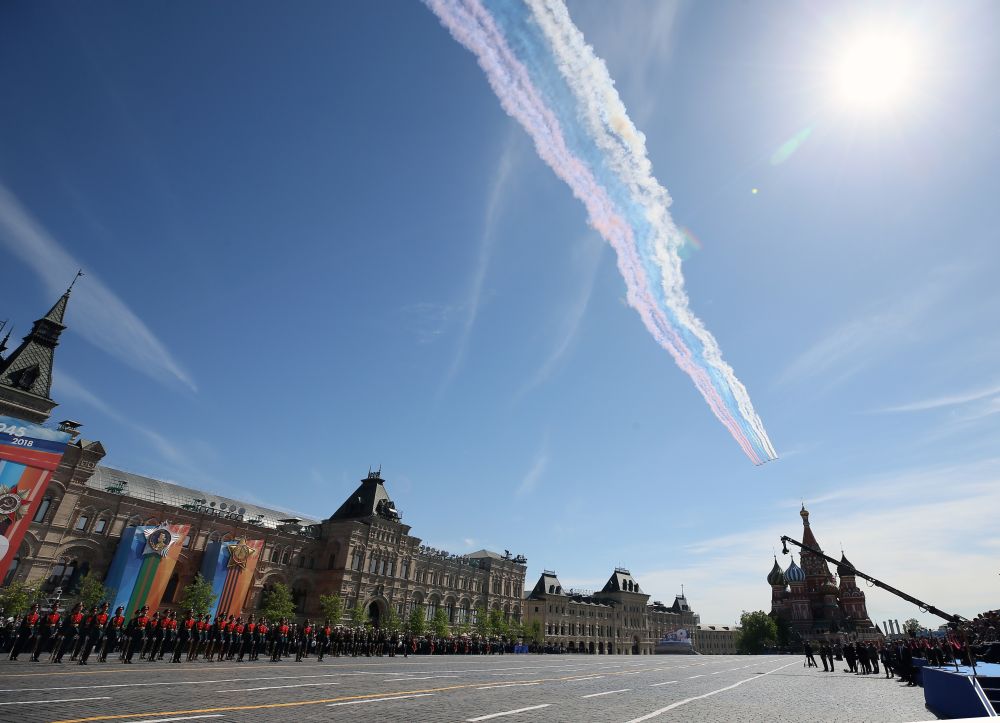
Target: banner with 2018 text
{"x": 29, "y": 454}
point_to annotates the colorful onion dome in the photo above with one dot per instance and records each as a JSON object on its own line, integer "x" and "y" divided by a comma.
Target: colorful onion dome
{"x": 845, "y": 567}
{"x": 776, "y": 576}
{"x": 794, "y": 573}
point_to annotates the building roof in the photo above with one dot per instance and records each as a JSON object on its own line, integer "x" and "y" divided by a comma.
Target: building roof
{"x": 29, "y": 367}
{"x": 485, "y": 553}
{"x": 368, "y": 500}
{"x": 548, "y": 584}
{"x": 109, "y": 479}
{"x": 621, "y": 580}
{"x": 845, "y": 568}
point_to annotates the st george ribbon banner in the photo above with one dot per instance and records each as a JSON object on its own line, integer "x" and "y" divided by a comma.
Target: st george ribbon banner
{"x": 29, "y": 454}
{"x": 229, "y": 567}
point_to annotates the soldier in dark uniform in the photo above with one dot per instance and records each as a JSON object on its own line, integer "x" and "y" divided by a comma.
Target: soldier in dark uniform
{"x": 185, "y": 628}
{"x": 91, "y": 633}
{"x": 135, "y": 634}
{"x": 261, "y": 634}
{"x": 280, "y": 640}
{"x": 323, "y": 634}
{"x": 26, "y": 630}
{"x": 304, "y": 639}
{"x": 113, "y": 631}
{"x": 75, "y": 643}
{"x": 48, "y": 629}
{"x": 154, "y": 638}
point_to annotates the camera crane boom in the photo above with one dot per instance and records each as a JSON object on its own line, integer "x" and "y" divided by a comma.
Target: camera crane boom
{"x": 924, "y": 607}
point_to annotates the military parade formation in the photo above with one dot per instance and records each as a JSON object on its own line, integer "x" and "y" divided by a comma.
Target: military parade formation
{"x": 166, "y": 636}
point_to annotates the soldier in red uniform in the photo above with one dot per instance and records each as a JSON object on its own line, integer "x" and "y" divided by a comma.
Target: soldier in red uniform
{"x": 246, "y": 638}
{"x": 303, "y": 642}
{"x": 259, "y": 639}
{"x": 48, "y": 628}
{"x": 26, "y": 630}
{"x": 113, "y": 631}
{"x": 69, "y": 633}
{"x": 228, "y": 639}
{"x": 89, "y": 634}
{"x": 136, "y": 634}
{"x": 182, "y": 643}
{"x": 322, "y": 640}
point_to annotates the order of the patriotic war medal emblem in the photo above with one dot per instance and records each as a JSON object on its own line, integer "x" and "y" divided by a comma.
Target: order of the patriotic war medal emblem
{"x": 158, "y": 540}
{"x": 12, "y": 502}
{"x": 240, "y": 553}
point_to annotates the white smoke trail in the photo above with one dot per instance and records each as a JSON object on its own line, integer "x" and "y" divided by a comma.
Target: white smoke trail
{"x": 473, "y": 26}
{"x": 625, "y": 149}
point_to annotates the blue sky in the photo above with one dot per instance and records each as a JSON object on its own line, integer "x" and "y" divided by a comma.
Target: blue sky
{"x": 314, "y": 242}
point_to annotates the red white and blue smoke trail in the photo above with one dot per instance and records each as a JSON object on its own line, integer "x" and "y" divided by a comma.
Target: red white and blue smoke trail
{"x": 553, "y": 84}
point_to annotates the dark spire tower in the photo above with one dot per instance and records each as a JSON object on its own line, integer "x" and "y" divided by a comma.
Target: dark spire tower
{"x": 26, "y": 375}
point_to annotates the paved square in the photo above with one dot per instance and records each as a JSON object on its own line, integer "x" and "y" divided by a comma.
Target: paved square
{"x": 459, "y": 688}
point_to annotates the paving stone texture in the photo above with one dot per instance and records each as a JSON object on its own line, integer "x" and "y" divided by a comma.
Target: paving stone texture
{"x": 707, "y": 689}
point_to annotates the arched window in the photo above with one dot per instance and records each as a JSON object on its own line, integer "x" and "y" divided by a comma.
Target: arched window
{"x": 11, "y": 571}
{"x": 171, "y": 589}
{"x": 81, "y": 522}
{"x": 101, "y": 525}
{"x": 43, "y": 508}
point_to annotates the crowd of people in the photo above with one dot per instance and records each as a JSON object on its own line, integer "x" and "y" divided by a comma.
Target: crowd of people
{"x": 178, "y": 638}
{"x": 975, "y": 640}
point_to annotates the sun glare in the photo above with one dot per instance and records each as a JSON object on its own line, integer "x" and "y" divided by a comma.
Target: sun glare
{"x": 875, "y": 70}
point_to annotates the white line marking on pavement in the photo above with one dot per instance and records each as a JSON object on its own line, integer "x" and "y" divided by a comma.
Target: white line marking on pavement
{"x": 278, "y": 687}
{"x": 425, "y": 677}
{"x": 666, "y": 682}
{"x": 381, "y": 700}
{"x": 607, "y": 692}
{"x": 58, "y": 700}
{"x": 182, "y": 682}
{"x": 506, "y": 712}
{"x": 187, "y": 717}
{"x": 505, "y": 685}
{"x": 679, "y": 703}
{"x": 695, "y": 676}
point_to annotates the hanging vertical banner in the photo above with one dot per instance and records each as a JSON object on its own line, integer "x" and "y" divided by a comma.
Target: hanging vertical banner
{"x": 28, "y": 456}
{"x": 228, "y": 567}
{"x": 143, "y": 564}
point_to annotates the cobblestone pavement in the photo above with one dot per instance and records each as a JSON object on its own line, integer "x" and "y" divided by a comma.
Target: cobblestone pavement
{"x": 483, "y": 688}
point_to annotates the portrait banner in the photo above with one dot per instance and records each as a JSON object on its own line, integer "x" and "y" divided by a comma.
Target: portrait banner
{"x": 29, "y": 454}
{"x": 229, "y": 567}
{"x": 143, "y": 563}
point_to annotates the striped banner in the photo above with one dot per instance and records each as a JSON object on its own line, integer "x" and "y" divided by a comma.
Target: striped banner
{"x": 28, "y": 456}
{"x": 229, "y": 567}
{"x": 138, "y": 574}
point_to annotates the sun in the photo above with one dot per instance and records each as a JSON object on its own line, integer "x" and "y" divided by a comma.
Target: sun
{"x": 875, "y": 70}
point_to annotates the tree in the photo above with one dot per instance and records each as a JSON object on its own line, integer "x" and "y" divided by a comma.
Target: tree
{"x": 758, "y": 630}
{"x": 18, "y": 597}
{"x": 415, "y": 623}
{"x": 359, "y": 615}
{"x": 482, "y": 621}
{"x": 92, "y": 591}
{"x": 535, "y": 632}
{"x": 197, "y": 596}
{"x": 392, "y": 622}
{"x": 786, "y": 637}
{"x": 440, "y": 623}
{"x": 498, "y": 623}
{"x": 332, "y": 607}
{"x": 911, "y": 627}
{"x": 278, "y": 603}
